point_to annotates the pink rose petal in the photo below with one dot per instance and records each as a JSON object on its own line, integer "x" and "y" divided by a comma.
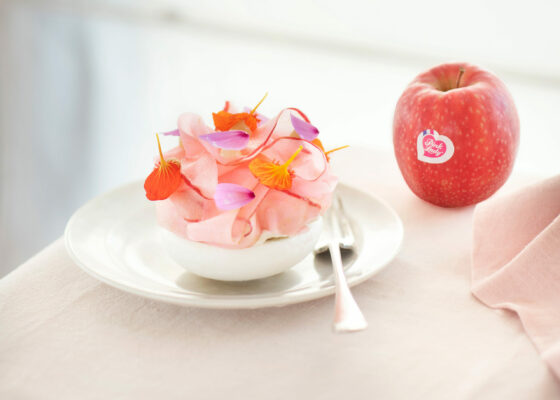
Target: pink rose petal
{"x": 229, "y": 140}
{"x": 201, "y": 173}
{"x": 304, "y": 129}
{"x": 229, "y": 196}
{"x": 225, "y": 230}
{"x": 273, "y": 217}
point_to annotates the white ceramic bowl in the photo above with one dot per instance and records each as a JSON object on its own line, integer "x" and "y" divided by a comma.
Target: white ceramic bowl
{"x": 260, "y": 261}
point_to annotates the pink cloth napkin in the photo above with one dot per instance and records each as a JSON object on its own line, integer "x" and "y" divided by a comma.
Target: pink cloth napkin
{"x": 516, "y": 261}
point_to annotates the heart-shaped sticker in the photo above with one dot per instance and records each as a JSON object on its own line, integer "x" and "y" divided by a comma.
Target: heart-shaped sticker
{"x": 434, "y": 148}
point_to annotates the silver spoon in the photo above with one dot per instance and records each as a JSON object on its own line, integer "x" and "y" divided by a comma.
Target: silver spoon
{"x": 347, "y": 315}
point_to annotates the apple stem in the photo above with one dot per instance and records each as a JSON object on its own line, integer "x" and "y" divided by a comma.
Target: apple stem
{"x": 459, "y": 76}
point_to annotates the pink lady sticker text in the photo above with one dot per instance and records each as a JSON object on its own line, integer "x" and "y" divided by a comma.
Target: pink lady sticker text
{"x": 434, "y": 148}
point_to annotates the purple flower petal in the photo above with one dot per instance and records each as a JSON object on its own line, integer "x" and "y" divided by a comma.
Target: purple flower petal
{"x": 229, "y": 196}
{"x": 304, "y": 129}
{"x": 229, "y": 140}
{"x": 171, "y": 133}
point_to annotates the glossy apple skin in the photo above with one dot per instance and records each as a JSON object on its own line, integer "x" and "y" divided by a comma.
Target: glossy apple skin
{"x": 481, "y": 120}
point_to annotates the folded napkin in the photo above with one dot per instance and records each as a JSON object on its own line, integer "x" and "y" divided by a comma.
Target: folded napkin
{"x": 516, "y": 261}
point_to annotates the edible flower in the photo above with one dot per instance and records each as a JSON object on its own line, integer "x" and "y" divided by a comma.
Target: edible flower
{"x": 224, "y": 120}
{"x": 164, "y": 179}
{"x": 229, "y": 196}
{"x": 274, "y": 175}
{"x": 304, "y": 129}
{"x": 228, "y": 140}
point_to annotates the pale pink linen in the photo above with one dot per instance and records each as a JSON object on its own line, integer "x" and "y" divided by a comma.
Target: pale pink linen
{"x": 65, "y": 335}
{"x": 516, "y": 261}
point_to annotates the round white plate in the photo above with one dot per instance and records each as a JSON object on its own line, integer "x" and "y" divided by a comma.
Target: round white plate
{"x": 114, "y": 238}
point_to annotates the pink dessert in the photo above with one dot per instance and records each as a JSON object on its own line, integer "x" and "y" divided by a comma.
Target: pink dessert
{"x": 247, "y": 179}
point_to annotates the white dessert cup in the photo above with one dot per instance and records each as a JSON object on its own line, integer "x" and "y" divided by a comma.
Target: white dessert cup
{"x": 262, "y": 260}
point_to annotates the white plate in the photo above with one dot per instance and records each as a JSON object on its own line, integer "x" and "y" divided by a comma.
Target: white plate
{"x": 114, "y": 238}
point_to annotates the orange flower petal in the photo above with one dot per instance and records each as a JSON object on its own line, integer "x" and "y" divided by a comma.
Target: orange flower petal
{"x": 270, "y": 174}
{"x": 224, "y": 120}
{"x": 163, "y": 181}
{"x": 251, "y": 121}
{"x": 274, "y": 175}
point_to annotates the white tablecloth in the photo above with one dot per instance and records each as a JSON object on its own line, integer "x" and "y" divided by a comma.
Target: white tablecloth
{"x": 64, "y": 335}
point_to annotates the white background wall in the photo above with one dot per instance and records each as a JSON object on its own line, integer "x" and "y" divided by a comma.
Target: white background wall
{"x": 84, "y": 85}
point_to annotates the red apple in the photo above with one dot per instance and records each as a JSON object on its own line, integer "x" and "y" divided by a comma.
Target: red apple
{"x": 455, "y": 134}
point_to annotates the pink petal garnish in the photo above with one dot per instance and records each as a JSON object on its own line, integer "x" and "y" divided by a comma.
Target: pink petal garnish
{"x": 229, "y": 196}
{"x": 171, "y": 133}
{"x": 304, "y": 129}
{"x": 229, "y": 140}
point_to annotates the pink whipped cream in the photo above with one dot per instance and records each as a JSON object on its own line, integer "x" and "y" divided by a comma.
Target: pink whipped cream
{"x": 191, "y": 212}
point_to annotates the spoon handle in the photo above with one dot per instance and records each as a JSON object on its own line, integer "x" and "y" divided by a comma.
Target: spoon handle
{"x": 347, "y": 314}
{"x": 345, "y": 234}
